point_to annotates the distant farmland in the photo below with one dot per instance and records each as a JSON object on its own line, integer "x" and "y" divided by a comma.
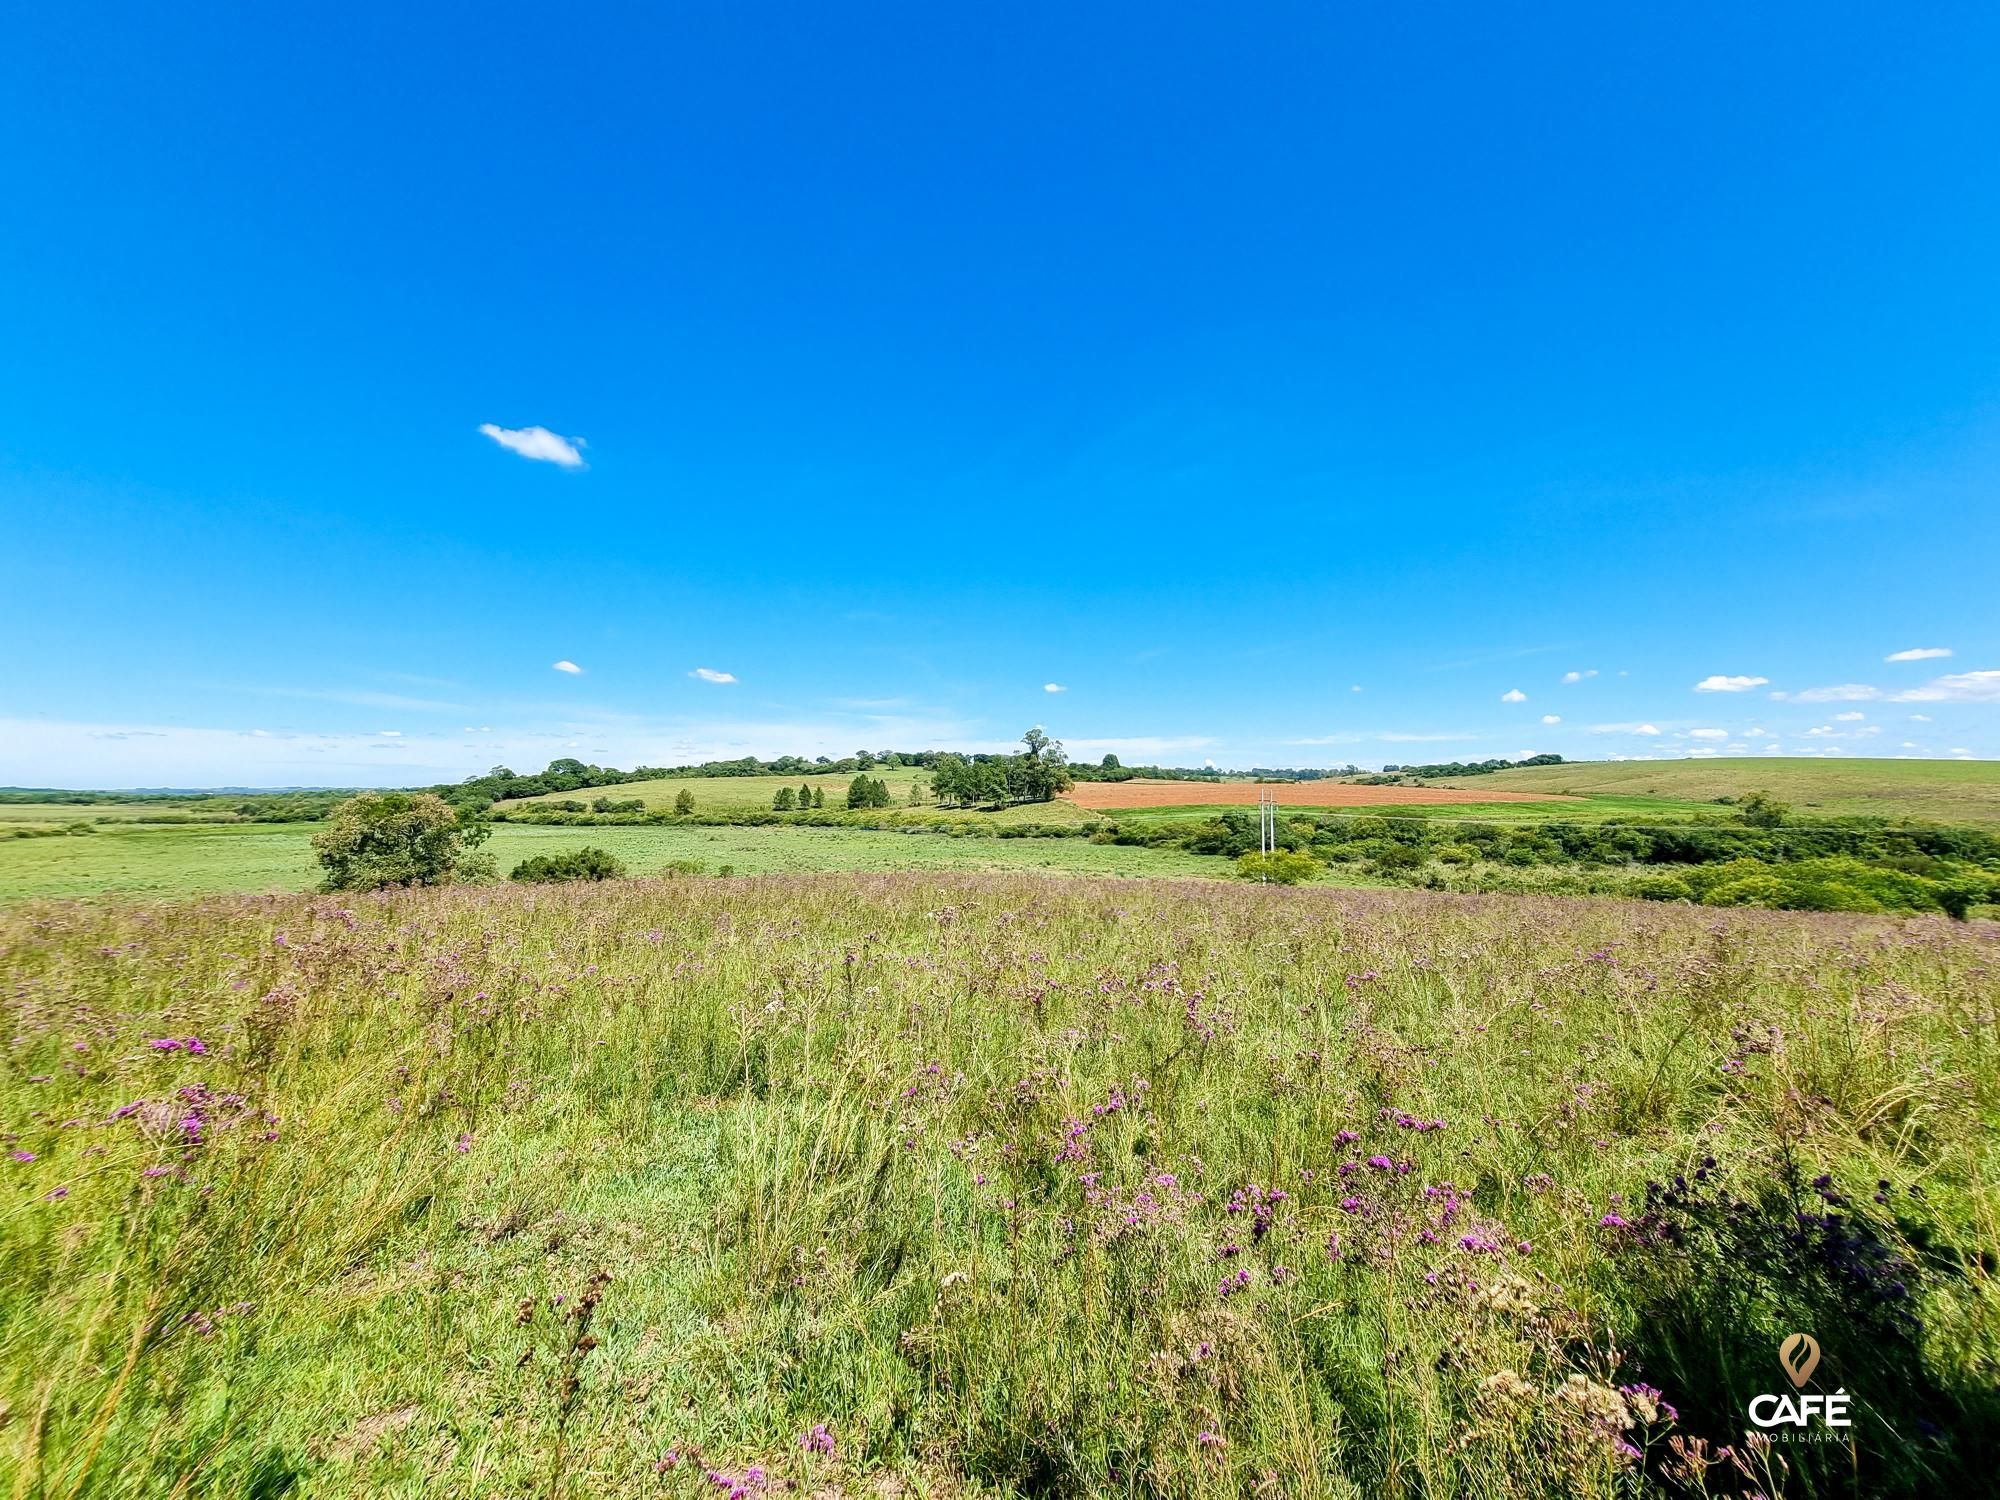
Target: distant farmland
{"x": 1945, "y": 791}
{"x": 1115, "y": 795}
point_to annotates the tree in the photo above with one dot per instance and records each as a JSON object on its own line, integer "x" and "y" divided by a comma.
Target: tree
{"x": 805, "y": 795}
{"x": 785, "y": 801}
{"x": 819, "y": 796}
{"x": 1762, "y": 810}
{"x": 867, "y": 791}
{"x": 1110, "y": 763}
{"x": 381, "y": 839}
{"x": 684, "y": 803}
{"x": 1042, "y": 771}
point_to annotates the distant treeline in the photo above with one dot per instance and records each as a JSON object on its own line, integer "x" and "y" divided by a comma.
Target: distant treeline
{"x": 1393, "y": 774}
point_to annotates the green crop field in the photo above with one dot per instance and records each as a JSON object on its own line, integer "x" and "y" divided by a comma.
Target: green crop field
{"x": 1944, "y": 791}
{"x": 954, "y": 1185}
{"x": 278, "y": 857}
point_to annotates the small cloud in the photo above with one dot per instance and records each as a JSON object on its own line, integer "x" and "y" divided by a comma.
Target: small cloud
{"x": 566, "y": 666}
{"x": 1844, "y": 692}
{"x": 1959, "y": 687}
{"x": 1755, "y": 733}
{"x": 1708, "y": 734}
{"x": 1721, "y": 684}
{"x": 1513, "y": 695}
{"x": 392, "y": 734}
{"x": 709, "y": 674}
{"x": 1054, "y": 687}
{"x": 262, "y": 734}
{"x": 1919, "y": 653}
{"x": 537, "y": 443}
{"x": 1552, "y": 718}
{"x": 1355, "y": 689}
{"x": 1626, "y": 728}
{"x": 1821, "y": 731}
{"x": 1911, "y": 745}
{"x": 1960, "y": 750}
{"x": 1581, "y": 676}
{"x": 1853, "y": 716}
{"x": 1920, "y": 718}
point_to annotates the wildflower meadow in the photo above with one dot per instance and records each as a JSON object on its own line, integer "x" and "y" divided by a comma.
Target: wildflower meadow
{"x": 883, "y": 1185}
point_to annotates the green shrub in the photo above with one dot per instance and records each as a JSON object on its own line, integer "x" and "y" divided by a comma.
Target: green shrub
{"x": 1285, "y": 867}
{"x": 575, "y": 864}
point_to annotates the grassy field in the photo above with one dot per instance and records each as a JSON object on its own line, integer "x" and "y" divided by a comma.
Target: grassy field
{"x": 1943, "y": 791}
{"x": 954, "y": 1185}
{"x": 278, "y": 857}
{"x": 1588, "y": 809}
{"x": 736, "y": 794}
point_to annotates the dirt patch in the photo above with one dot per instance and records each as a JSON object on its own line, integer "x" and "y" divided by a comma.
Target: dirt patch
{"x": 1111, "y": 795}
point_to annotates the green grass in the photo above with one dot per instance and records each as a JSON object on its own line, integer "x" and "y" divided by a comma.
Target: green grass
{"x": 278, "y": 857}
{"x": 741, "y": 794}
{"x": 1942, "y": 791}
{"x": 1594, "y": 809}
{"x": 946, "y": 1164}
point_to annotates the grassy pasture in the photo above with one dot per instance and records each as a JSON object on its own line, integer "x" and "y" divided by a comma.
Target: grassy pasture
{"x": 1585, "y": 809}
{"x": 278, "y": 857}
{"x": 955, "y": 1185}
{"x": 1943, "y": 791}
{"x": 740, "y": 794}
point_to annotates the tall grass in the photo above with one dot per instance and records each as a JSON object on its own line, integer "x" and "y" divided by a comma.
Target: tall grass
{"x": 905, "y": 1184}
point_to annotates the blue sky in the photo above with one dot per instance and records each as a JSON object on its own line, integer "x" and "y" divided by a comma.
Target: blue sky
{"x": 1288, "y": 385}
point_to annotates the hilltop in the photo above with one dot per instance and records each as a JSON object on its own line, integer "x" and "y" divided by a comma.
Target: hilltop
{"x": 1946, "y": 791}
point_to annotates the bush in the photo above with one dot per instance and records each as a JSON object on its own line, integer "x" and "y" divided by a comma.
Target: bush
{"x": 577, "y": 864}
{"x": 1285, "y": 867}
{"x": 382, "y": 839}
{"x": 684, "y": 803}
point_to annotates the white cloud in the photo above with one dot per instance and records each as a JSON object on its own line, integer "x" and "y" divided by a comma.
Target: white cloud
{"x": 1580, "y": 676}
{"x": 1552, "y": 718}
{"x": 1513, "y": 695}
{"x": 1854, "y": 716}
{"x": 1054, "y": 687}
{"x": 1920, "y": 718}
{"x": 709, "y": 674}
{"x": 1626, "y": 728}
{"x": 1919, "y": 653}
{"x": 1960, "y": 750}
{"x": 1709, "y": 734}
{"x": 1844, "y": 692}
{"x": 1958, "y": 687}
{"x": 566, "y": 666}
{"x": 1721, "y": 684}
{"x": 1355, "y": 689}
{"x": 537, "y": 443}
{"x": 1755, "y": 733}
{"x": 1822, "y": 731}
{"x": 392, "y": 734}
{"x": 1911, "y": 745}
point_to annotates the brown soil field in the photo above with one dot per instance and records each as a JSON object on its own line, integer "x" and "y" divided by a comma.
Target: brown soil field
{"x": 1116, "y": 794}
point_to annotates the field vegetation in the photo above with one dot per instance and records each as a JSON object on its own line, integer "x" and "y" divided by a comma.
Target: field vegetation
{"x": 1940, "y": 791}
{"x": 954, "y": 1185}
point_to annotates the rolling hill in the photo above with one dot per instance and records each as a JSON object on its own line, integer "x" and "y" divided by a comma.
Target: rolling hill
{"x": 1943, "y": 791}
